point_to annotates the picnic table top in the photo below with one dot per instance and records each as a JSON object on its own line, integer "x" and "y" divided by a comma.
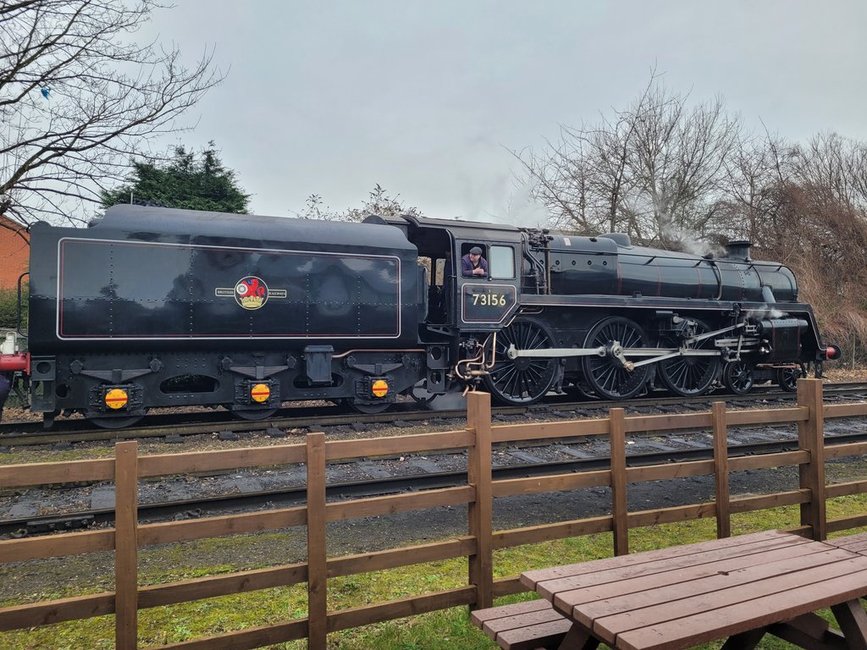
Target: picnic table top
{"x": 856, "y": 543}
{"x": 685, "y": 595}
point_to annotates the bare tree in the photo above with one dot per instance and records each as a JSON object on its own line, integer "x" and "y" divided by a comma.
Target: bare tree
{"x": 585, "y": 179}
{"x": 835, "y": 168}
{"x": 378, "y": 202}
{"x": 652, "y": 170}
{"x": 79, "y": 99}
{"x": 756, "y": 173}
{"x": 678, "y": 159}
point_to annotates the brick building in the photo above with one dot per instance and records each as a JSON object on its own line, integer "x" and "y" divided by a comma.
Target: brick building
{"x": 14, "y": 252}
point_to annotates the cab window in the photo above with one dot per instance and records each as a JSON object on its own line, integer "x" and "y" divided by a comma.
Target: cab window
{"x": 501, "y": 262}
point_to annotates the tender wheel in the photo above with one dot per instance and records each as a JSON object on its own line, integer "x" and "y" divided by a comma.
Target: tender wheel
{"x": 253, "y": 414}
{"x": 370, "y": 408}
{"x": 114, "y": 422}
{"x": 690, "y": 375}
{"x": 788, "y": 378}
{"x": 606, "y": 375}
{"x": 738, "y": 377}
{"x": 526, "y": 379}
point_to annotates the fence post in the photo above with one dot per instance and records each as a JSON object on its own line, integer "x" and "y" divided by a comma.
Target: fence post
{"x": 126, "y": 545}
{"x": 480, "y": 520}
{"x": 317, "y": 554}
{"x": 721, "y": 469}
{"x": 620, "y": 511}
{"x": 812, "y": 474}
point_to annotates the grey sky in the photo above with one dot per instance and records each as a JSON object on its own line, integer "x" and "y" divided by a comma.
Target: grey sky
{"x": 426, "y": 98}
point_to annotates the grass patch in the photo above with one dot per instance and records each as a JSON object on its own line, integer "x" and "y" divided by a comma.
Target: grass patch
{"x": 442, "y": 629}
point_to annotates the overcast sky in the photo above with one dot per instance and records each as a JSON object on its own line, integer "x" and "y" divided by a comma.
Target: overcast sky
{"x": 429, "y": 98}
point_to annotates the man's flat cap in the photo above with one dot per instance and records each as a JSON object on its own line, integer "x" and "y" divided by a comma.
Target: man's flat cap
{"x": 475, "y": 250}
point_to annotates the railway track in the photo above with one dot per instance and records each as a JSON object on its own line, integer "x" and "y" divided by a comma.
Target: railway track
{"x": 295, "y": 495}
{"x": 178, "y": 425}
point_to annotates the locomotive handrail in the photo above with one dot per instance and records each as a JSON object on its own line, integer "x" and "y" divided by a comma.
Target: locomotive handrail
{"x": 18, "y": 310}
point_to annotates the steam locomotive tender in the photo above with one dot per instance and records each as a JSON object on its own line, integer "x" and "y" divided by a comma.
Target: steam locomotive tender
{"x": 153, "y": 307}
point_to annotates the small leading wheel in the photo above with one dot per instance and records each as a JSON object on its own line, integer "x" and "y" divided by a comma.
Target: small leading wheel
{"x": 524, "y": 380}
{"x": 690, "y": 375}
{"x": 788, "y": 378}
{"x": 606, "y": 375}
{"x": 738, "y": 377}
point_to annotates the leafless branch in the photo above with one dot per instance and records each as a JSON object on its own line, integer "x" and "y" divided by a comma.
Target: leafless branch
{"x": 79, "y": 99}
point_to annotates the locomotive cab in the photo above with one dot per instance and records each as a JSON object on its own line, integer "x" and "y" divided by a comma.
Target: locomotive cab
{"x": 486, "y": 302}
{"x": 458, "y": 304}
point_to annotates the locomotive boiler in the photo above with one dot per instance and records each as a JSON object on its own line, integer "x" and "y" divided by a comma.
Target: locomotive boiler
{"x": 154, "y": 307}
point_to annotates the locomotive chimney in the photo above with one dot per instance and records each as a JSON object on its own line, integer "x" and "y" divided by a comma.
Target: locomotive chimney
{"x": 738, "y": 249}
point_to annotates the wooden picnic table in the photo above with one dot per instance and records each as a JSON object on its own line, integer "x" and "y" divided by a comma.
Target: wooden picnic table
{"x": 856, "y": 543}
{"x": 738, "y": 587}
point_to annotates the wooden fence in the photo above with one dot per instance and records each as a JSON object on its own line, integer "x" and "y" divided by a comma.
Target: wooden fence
{"x": 478, "y": 493}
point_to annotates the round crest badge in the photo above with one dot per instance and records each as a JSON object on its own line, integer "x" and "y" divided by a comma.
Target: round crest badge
{"x": 251, "y": 292}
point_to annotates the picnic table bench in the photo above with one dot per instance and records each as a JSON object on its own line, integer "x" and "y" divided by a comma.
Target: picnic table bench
{"x": 738, "y": 587}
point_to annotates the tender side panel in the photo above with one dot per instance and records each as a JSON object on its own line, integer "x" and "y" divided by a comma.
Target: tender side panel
{"x": 139, "y": 290}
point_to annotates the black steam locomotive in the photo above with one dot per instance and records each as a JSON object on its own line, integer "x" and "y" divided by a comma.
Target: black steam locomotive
{"x": 153, "y": 307}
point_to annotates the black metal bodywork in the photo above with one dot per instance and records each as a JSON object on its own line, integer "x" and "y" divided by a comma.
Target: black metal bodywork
{"x": 174, "y": 307}
{"x": 190, "y": 308}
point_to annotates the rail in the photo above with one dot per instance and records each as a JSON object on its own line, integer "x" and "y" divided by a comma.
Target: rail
{"x": 127, "y": 468}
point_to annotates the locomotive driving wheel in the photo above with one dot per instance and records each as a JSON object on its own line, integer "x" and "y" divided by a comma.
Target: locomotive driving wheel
{"x": 738, "y": 377}
{"x": 610, "y": 376}
{"x": 690, "y": 375}
{"x": 524, "y": 380}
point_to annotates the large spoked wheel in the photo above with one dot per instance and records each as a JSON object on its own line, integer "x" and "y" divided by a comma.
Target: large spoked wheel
{"x": 606, "y": 375}
{"x": 690, "y": 375}
{"x": 526, "y": 379}
{"x": 738, "y": 377}
{"x": 788, "y": 378}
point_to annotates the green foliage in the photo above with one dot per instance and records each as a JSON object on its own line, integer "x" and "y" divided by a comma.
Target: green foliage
{"x": 9, "y": 308}
{"x": 186, "y": 182}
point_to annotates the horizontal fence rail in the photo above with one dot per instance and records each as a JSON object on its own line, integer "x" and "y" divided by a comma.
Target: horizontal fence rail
{"x": 477, "y": 546}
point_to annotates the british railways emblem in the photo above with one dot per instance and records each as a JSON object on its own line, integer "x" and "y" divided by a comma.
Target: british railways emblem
{"x": 250, "y": 292}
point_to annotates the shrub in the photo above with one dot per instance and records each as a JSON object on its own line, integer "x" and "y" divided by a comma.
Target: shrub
{"x": 9, "y": 308}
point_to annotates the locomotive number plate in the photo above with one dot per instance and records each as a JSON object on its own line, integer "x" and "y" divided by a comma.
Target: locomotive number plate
{"x": 489, "y": 299}
{"x": 487, "y": 303}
